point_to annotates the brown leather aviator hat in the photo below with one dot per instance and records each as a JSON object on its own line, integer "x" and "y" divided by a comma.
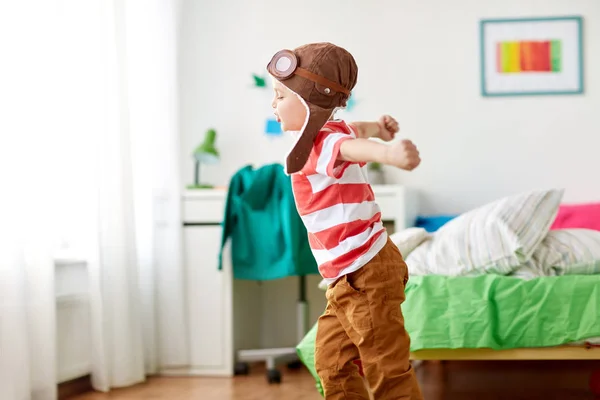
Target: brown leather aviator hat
{"x": 323, "y": 75}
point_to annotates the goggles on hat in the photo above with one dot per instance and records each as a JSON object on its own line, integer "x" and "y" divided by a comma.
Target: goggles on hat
{"x": 284, "y": 65}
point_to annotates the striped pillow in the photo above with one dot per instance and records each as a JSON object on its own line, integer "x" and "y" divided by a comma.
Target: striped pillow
{"x": 532, "y": 269}
{"x": 570, "y": 251}
{"x": 495, "y": 238}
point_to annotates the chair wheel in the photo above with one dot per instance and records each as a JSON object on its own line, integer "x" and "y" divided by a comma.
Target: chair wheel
{"x": 273, "y": 376}
{"x": 295, "y": 364}
{"x": 241, "y": 368}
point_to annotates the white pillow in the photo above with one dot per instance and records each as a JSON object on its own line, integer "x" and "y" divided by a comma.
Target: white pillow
{"x": 495, "y": 238}
{"x": 571, "y": 251}
{"x": 418, "y": 261}
{"x": 408, "y": 239}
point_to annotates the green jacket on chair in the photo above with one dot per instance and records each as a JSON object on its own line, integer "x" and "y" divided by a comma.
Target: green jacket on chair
{"x": 268, "y": 238}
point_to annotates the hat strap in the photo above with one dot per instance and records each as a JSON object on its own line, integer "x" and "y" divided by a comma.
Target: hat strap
{"x": 321, "y": 80}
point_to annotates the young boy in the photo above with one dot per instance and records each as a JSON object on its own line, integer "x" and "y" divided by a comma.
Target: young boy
{"x": 365, "y": 272}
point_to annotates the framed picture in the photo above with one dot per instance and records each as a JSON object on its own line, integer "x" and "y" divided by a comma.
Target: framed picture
{"x": 531, "y": 56}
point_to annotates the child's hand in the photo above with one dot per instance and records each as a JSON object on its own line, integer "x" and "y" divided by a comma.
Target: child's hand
{"x": 404, "y": 155}
{"x": 388, "y": 127}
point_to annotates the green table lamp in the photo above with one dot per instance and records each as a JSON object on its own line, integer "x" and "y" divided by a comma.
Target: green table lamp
{"x": 206, "y": 153}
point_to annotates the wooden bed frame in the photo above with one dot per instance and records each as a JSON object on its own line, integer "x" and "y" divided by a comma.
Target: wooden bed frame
{"x": 585, "y": 351}
{"x": 569, "y": 352}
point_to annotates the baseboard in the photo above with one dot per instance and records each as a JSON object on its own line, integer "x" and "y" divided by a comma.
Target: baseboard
{"x": 75, "y": 387}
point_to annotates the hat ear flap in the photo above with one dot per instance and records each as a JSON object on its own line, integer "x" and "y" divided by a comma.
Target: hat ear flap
{"x": 298, "y": 156}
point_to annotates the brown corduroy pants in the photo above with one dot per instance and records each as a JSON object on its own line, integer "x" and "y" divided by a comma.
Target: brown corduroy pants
{"x": 363, "y": 320}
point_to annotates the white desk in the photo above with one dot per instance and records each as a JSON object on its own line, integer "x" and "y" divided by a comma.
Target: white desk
{"x": 220, "y": 311}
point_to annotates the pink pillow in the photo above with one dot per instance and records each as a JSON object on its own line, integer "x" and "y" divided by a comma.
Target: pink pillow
{"x": 585, "y": 216}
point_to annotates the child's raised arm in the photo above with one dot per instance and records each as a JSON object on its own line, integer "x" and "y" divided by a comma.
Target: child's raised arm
{"x": 402, "y": 154}
{"x": 385, "y": 128}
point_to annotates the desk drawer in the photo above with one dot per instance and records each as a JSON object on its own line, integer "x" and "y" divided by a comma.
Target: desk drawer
{"x": 203, "y": 211}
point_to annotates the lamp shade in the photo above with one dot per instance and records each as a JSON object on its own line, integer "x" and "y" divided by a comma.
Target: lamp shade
{"x": 206, "y": 152}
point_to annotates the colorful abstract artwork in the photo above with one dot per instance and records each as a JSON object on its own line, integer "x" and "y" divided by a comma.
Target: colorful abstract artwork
{"x": 531, "y": 56}
{"x": 528, "y": 56}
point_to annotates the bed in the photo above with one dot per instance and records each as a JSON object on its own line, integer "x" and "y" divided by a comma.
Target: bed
{"x": 497, "y": 283}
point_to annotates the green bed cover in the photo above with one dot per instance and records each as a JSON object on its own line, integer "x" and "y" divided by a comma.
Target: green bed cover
{"x": 493, "y": 311}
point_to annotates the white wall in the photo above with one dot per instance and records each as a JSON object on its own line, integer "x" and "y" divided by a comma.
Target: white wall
{"x": 419, "y": 61}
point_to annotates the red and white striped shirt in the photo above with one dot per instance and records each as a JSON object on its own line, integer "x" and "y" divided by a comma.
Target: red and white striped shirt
{"x": 337, "y": 205}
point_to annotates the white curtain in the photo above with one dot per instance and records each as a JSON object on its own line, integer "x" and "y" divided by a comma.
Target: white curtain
{"x": 27, "y": 311}
{"x": 91, "y": 169}
{"x": 27, "y": 340}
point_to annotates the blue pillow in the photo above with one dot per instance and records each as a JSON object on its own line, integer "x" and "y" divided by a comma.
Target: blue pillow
{"x": 432, "y": 223}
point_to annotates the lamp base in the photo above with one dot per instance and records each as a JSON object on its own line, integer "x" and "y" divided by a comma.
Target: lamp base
{"x": 200, "y": 186}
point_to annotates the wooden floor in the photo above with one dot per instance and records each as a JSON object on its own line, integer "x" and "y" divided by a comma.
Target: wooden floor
{"x": 474, "y": 380}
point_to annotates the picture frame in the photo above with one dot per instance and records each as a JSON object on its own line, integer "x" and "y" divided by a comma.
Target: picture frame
{"x": 531, "y": 56}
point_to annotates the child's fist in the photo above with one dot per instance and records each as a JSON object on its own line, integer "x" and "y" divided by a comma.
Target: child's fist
{"x": 388, "y": 127}
{"x": 404, "y": 155}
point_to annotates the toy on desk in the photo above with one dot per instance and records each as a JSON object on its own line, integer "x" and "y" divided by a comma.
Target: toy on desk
{"x": 206, "y": 153}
